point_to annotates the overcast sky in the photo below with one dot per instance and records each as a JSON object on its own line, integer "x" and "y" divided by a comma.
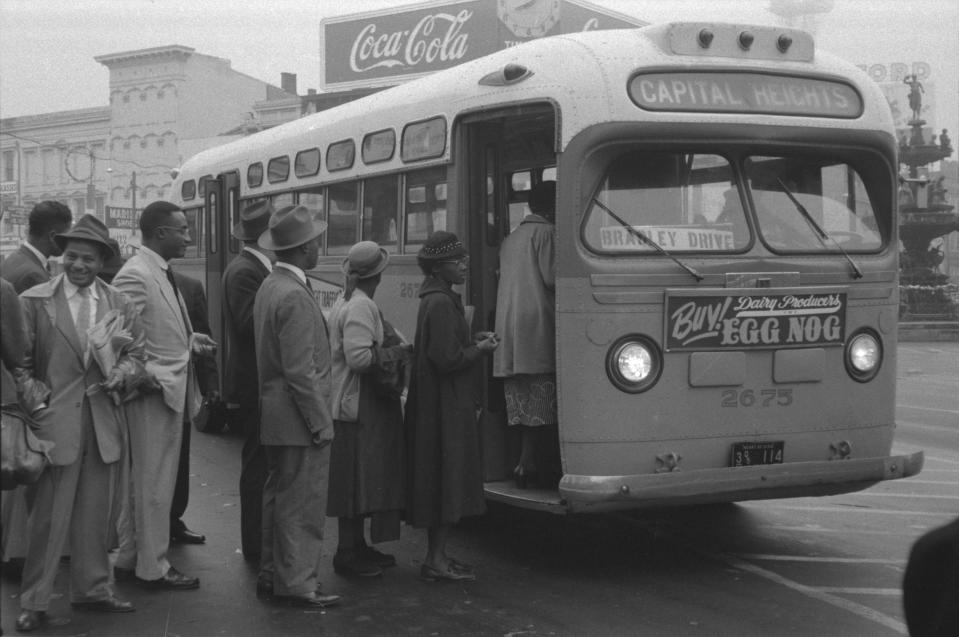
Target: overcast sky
{"x": 47, "y": 46}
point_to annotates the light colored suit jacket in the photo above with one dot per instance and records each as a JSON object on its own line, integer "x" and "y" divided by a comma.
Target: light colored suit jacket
{"x": 293, "y": 361}
{"x": 54, "y": 356}
{"x": 166, "y": 322}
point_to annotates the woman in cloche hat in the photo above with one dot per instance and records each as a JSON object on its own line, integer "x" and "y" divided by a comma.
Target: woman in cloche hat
{"x": 367, "y": 458}
{"x": 445, "y": 470}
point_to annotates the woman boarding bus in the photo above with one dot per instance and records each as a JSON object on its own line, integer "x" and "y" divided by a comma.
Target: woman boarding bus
{"x": 726, "y": 248}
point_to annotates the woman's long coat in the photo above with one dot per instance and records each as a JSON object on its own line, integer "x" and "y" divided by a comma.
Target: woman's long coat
{"x": 445, "y": 468}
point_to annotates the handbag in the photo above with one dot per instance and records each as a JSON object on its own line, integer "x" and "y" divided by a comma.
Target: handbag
{"x": 388, "y": 373}
{"x": 23, "y": 456}
{"x": 212, "y": 417}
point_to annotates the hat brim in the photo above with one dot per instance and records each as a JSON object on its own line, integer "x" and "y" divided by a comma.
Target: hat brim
{"x": 62, "y": 239}
{"x": 384, "y": 261}
{"x": 265, "y": 240}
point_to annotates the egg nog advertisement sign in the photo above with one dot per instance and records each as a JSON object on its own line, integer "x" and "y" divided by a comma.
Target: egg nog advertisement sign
{"x": 746, "y": 321}
{"x": 388, "y": 47}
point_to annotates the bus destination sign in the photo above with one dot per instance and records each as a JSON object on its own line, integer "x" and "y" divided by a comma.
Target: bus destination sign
{"x": 734, "y": 92}
{"x": 746, "y": 321}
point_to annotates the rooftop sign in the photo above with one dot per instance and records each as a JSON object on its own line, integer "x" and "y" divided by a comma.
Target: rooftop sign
{"x": 733, "y": 92}
{"x": 388, "y": 47}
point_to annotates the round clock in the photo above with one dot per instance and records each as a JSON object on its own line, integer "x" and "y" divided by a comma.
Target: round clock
{"x": 528, "y": 18}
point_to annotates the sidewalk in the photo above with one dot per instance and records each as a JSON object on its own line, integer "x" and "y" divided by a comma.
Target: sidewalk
{"x": 226, "y": 602}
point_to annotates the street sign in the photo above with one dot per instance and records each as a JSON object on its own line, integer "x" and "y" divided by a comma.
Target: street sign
{"x": 118, "y": 217}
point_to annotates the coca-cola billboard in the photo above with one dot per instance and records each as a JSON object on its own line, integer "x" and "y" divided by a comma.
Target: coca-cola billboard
{"x": 389, "y": 47}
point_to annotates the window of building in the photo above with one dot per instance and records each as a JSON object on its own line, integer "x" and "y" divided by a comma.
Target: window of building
{"x": 341, "y": 233}
{"x": 188, "y": 190}
{"x": 381, "y": 210}
{"x": 8, "y": 165}
{"x": 425, "y": 205}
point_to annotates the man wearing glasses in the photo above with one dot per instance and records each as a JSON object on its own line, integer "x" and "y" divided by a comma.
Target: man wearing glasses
{"x": 155, "y": 419}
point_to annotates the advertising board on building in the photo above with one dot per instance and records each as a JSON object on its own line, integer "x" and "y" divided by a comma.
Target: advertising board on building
{"x": 388, "y": 47}
{"x": 120, "y": 217}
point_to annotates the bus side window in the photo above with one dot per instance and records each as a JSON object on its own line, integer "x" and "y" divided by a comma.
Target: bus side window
{"x": 380, "y": 204}
{"x": 282, "y": 200}
{"x": 313, "y": 199}
{"x": 341, "y": 234}
{"x": 425, "y": 205}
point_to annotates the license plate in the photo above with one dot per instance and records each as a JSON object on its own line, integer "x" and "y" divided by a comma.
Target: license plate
{"x": 747, "y": 454}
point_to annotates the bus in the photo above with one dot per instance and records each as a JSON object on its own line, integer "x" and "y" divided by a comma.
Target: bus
{"x": 726, "y": 248}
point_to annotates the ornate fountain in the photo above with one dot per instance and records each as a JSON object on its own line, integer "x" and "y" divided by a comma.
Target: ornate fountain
{"x": 925, "y": 215}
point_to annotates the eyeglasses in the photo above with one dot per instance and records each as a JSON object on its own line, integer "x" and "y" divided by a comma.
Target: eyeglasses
{"x": 460, "y": 261}
{"x": 184, "y": 230}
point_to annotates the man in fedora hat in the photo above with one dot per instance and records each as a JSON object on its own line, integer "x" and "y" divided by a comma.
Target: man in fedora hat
{"x": 73, "y": 496}
{"x": 156, "y": 418}
{"x": 296, "y": 426}
{"x": 241, "y": 280}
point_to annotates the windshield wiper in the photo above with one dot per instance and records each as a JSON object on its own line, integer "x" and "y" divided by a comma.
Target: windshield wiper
{"x": 639, "y": 235}
{"x": 820, "y": 233}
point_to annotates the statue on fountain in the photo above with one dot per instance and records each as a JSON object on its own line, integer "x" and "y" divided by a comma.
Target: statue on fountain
{"x": 915, "y": 94}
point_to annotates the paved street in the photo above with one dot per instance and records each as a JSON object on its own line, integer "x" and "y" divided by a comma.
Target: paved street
{"x": 825, "y": 567}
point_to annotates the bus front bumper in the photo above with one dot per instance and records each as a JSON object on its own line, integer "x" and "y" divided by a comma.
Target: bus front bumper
{"x": 582, "y": 494}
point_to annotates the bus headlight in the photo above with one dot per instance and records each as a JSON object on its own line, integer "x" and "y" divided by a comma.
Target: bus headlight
{"x": 634, "y": 363}
{"x": 863, "y": 355}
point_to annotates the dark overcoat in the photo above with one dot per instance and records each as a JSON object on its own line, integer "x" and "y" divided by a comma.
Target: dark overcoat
{"x": 241, "y": 280}
{"x": 445, "y": 469}
{"x": 24, "y": 270}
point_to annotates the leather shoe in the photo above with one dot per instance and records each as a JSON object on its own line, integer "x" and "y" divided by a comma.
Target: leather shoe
{"x": 30, "y": 620}
{"x": 450, "y": 574}
{"x": 312, "y": 600}
{"x": 173, "y": 580}
{"x": 186, "y": 536}
{"x": 108, "y": 605}
{"x": 264, "y": 589}
{"x": 354, "y": 564}
{"x": 383, "y": 560}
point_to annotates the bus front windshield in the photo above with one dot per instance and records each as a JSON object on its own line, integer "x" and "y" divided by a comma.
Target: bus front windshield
{"x": 707, "y": 203}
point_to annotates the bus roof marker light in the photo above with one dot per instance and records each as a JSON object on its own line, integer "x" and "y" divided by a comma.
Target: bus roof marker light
{"x": 705, "y": 38}
{"x": 783, "y": 43}
{"x": 509, "y": 74}
{"x": 746, "y": 40}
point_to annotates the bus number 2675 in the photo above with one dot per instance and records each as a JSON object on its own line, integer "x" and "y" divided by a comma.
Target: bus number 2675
{"x": 757, "y": 398}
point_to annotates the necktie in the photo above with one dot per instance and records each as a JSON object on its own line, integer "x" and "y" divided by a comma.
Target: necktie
{"x": 83, "y": 317}
{"x": 176, "y": 295}
{"x": 172, "y": 280}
